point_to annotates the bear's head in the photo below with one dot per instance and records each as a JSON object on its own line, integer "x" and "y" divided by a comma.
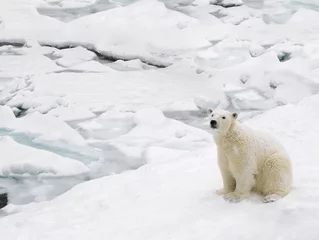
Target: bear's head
{"x": 221, "y": 120}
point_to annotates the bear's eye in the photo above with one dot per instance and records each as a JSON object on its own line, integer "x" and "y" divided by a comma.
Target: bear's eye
{"x": 223, "y": 117}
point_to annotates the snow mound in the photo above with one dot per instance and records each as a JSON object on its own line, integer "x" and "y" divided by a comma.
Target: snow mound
{"x": 21, "y": 160}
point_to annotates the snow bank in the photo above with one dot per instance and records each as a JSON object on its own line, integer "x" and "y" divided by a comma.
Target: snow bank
{"x": 175, "y": 199}
{"x": 21, "y": 160}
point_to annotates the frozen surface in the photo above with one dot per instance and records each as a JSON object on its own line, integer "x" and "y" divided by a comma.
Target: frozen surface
{"x": 118, "y": 90}
{"x": 126, "y": 89}
{"x": 72, "y": 56}
{"x": 16, "y": 66}
{"x": 125, "y": 139}
{"x": 24, "y": 161}
{"x": 47, "y": 132}
{"x": 175, "y": 199}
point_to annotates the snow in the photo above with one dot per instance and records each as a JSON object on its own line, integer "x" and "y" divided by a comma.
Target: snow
{"x": 24, "y": 160}
{"x": 71, "y": 113}
{"x": 125, "y": 138}
{"x": 7, "y": 118}
{"x": 127, "y": 88}
{"x": 175, "y": 199}
{"x": 103, "y": 124}
{"x": 17, "y": 66}
{"x": 48, "y": 128}
{"x": 72, "y": 56}
{"x": 110, "y": 124}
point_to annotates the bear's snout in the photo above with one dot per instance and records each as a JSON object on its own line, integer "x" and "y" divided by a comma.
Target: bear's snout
{"x": 213, "y": 124}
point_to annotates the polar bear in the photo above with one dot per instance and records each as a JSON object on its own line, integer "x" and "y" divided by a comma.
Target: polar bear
{"x": 249, "y": 160}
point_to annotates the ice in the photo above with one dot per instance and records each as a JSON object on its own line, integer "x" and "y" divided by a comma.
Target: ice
{"x": 125, "y": 138}
{"x": 161, "y": 155}
{"x": 130, "y": 65}
{"x": 30, "y": 175}
{"x": 152, "y": 48}
{"x": 103, "y": 115}
{"x": 19, "y": 66}
{"x": 69, "y": 3}
{"x": 49, "y": 128}
{"x": 71, "y": 113}
{"x": 149, "y": 116}
{"x": 175, "y": 199}
{"x": 72, "y": 56}
{"x": 47, "y": 132}
{"x": 227, "y": 3}
{"x": 89, "y": 66}
{"x": 110, "y": 124}
{"x": 23, "y": 160}
{"x": 17, "y": 19}
{"x": 127, "y": 89}
{"x": 7, "y": 118}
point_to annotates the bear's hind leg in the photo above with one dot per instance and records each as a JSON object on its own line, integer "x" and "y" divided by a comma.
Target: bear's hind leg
{"x": 276, "y": 177}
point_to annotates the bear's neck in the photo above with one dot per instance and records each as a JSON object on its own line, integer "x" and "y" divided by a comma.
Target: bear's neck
{"x": 233, "y": 135}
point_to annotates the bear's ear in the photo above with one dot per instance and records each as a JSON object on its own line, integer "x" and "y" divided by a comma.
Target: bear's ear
{"x": 209, "y": 111}
{"x": 235, "y": 115}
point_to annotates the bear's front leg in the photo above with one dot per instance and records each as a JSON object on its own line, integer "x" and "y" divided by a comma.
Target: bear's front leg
{"x": 244, "y": 183}
{"x": 229, "y": 182}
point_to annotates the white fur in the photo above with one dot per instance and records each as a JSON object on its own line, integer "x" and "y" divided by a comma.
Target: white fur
{"x": 249, "y": 160}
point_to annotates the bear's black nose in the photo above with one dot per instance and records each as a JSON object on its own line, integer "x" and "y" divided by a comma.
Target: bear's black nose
{"x": 213, "y": 124}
